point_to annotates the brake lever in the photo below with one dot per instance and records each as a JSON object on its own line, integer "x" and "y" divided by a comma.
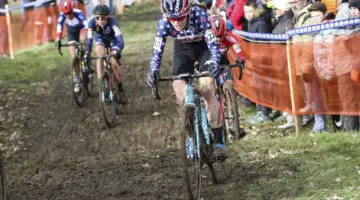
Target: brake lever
{"x": 59, "y": 49}
{"x": 155, "y": 92}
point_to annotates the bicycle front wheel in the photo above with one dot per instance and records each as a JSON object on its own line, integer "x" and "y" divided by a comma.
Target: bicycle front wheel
{"x": 232, "y": 126}
{"x": 189, "y": 154}
{"x": 2, "y": 181}
{"x": 107, "y": 101}
{"x": 78, "y": 84}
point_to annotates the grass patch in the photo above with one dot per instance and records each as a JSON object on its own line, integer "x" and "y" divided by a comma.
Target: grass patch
{"x": 308, "y": 167}
{"x": 30, "y": 66}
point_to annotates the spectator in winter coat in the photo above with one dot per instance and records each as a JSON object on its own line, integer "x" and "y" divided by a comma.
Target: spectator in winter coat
{"x": 355, "y": 12}
{"x": 343, "y": 68}
{"x": 283, "y": 18}
{"x": 257, "y": 24}
{"x": 347, "y": 94}
{"x": 343, "y": 11}
{"x": 304, "y": 55}
{"x": 256, "y": 21}
{"x": 235, "y": 12}
{"x": 323, "y": 62}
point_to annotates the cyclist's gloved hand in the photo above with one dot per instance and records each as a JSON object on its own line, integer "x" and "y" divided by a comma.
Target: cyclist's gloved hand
{"x": 213, "y": 68}
{"x": 58, "y": 44}
{"x": 152, "y": 78}
{"x": 118, "y": 55}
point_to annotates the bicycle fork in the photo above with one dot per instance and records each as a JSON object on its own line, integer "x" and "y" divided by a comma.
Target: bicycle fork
{"x": 199, "y": 114}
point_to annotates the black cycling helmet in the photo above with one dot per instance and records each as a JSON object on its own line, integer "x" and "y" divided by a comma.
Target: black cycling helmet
{"x": 101, "y": 9}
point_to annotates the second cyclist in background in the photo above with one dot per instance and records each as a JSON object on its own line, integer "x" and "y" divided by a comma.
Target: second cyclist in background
{"x": 107, "y": 34}
{"x": 75, "y": 21}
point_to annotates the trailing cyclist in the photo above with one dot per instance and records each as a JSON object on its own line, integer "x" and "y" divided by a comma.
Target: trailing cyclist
{"x": 194, "y": 41}
{"x": 107, "y": 34}
{"x": 226, "y": 40}
{"x": 75, "y": 21}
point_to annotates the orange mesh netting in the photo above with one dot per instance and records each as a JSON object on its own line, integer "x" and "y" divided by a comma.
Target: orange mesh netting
{"x": 34, "y": 27}
{"x": 320, "y": 68}
{"x": 4, "y": 47}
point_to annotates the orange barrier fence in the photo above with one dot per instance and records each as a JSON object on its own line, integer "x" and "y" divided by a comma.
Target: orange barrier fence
{"x": 320, "y": 69}
{"x": 33, "y": 27}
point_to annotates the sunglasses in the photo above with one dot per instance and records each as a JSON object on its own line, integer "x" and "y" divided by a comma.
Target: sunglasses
{"x": 102, "y": 18}
{"x": 178, "y": 19}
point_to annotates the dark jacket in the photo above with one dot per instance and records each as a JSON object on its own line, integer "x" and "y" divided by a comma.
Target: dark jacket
{"x": 283, "y": 22}
{"x": 2, "y": 6}
{"x": 258, "y": 25}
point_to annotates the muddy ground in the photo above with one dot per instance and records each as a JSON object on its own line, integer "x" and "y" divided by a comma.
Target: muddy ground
{"x": 56, "y": 150}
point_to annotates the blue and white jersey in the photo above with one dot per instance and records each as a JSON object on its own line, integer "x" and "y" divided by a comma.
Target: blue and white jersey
{"x": 74, "y": 24}
{"x": 198, "y": 29}
{"x": 109, "y": 32}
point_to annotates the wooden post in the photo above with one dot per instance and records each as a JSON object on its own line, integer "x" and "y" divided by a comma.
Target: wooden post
{"x": 8, "y": 23}
{"x": 292, "y": 89}
{"x": 120, "y": 6}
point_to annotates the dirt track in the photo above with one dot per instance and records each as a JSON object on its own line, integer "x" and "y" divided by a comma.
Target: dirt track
{"x": 56, "y": 150}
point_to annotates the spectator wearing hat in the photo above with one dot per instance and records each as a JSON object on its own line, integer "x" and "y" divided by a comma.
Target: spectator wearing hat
{"x": 283, "y": 18}
{"x": 323, "y": 62}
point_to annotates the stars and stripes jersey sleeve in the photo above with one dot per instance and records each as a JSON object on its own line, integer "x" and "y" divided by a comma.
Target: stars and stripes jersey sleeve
{"x": 159, "y": 44}
{"x": 203, "y": 21}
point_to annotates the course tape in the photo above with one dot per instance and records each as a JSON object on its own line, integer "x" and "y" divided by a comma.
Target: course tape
{"x": 300, "y": 31}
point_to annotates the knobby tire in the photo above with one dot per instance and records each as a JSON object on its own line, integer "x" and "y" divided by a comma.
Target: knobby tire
{"x": 191, "y": 167}
{"x": 231, "y": 109}
{"x": 108, "y": 104}
{"x": 79, "y": 97}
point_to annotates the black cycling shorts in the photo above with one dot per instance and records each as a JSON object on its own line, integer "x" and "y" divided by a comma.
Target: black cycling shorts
{"x": 74, "y": 35}
{"x": 186, "y": 54}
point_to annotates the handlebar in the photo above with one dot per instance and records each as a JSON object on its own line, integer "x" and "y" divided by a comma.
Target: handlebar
{"x": 187, "y": 76}
{"x": 155, "y": 89}
{"x": 76, "y": 44}
{"x": 241, "y": 65}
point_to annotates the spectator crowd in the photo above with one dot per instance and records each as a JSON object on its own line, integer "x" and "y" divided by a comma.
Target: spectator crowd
{"x": 277, "y": 16}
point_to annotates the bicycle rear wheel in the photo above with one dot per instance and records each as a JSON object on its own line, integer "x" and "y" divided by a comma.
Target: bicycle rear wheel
{"x": 107, "y": 101}
{"x": 2, "y": 181}
{"x": 232, "y": 126}
{"x": 80, "y": 96}
{"x": 189, "y": 155}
